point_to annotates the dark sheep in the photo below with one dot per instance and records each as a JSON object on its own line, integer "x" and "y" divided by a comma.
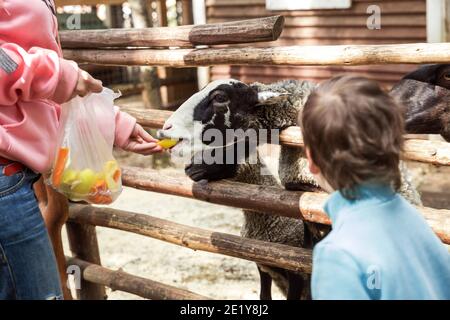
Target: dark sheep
{"x": 425, "y": 93}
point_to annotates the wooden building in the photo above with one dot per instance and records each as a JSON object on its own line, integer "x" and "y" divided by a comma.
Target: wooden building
{"x": 401, "y": 22}
{"x": 309, "y": 23}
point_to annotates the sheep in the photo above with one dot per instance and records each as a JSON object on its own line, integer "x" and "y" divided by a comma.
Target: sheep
{"x": 293, "y": 169}
{"x": 221, "y": 114}
{"x": 426, "y": 94}
{"x": 231, "y": 104}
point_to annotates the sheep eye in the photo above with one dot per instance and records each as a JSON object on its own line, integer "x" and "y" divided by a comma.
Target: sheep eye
{"x": 220, "y": 98}
{"x": 447, "y": 76}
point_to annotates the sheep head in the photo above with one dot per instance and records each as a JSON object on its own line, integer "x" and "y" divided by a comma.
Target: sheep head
{"x": 425, "y": 94}
{"x": 203, "y": 123}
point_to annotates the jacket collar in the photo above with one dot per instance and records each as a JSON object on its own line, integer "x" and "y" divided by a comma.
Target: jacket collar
{"x": 367, "y": 195}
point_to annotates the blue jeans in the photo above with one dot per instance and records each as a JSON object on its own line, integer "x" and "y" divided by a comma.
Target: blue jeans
{"x": 28, "y": 268}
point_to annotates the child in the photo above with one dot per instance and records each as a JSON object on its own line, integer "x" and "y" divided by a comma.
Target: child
{"x": 34, "y": 80}
{"x": 380, "y": 246}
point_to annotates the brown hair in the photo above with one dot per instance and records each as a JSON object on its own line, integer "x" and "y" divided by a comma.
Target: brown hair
{"x": 354, "y": 131}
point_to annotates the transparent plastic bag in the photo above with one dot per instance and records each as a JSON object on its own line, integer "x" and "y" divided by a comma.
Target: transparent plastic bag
{"x": 84, "y": 168}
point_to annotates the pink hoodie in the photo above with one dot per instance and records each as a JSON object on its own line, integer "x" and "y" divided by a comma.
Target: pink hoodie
{"x": 34, "y": 79}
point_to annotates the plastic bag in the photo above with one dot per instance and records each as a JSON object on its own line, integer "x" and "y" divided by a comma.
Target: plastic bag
{"x": 84, "y": 168}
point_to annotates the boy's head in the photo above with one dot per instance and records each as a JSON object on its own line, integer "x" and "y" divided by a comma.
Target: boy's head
{"x": 353, "y": 133}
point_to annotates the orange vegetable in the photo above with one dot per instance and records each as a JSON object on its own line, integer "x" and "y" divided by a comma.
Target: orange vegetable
{"x": 100, "y": 199}
{"x": 116, "y": 175}
{"x": 99, "y": 193}
{"x": 60, "y": 164}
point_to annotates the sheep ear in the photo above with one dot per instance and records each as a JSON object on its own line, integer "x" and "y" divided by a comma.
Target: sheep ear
{"x": 270, "y": 97}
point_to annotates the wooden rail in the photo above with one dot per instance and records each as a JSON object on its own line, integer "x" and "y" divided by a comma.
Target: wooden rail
{"x": 305, "y": 205}
{"x": 245, "y": 31}
{"x": 120, "y": 280}
{"x": 433, "y": 152}
{"x": 273, "y": 254}
{"x": 414, "y": 53}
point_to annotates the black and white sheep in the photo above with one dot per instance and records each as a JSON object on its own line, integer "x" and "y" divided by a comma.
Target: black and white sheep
{"x": 231, "y": 104}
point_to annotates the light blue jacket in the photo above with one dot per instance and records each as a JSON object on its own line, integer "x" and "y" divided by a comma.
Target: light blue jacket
{"x": 380, "y": 247}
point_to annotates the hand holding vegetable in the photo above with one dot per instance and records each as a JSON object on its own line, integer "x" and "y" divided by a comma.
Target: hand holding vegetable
{"x": 142, "y": 142}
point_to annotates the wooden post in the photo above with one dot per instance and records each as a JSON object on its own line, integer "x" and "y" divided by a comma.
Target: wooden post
{"x": 161, "y": 10}
{"x": 114, "y": 16}
{"x": 187, "y": 89}
{"x": 151, "y": 94}
{"x": 447, "y": 20}
{"x": 435, "y": 13}
{"x": 140, "y": 15}
{"x": 149, "y": 75}
{"x": 162, "y": 13}
{"x": 186, "y": 12}
{"x": 83, "y": 244}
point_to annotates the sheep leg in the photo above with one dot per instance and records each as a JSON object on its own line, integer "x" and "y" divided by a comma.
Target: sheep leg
{"x": 308, "y": 235}
{"x": 313, "y": 233}
{"x": 265, "y": 285}
{"x": 296, "y": 286}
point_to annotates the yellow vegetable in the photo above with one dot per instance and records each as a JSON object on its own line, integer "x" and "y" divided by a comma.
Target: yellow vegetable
{"x": 110, "y": 166}
{"x": 94, "y": 186}
{"x": 69, "y": 176}
{"x": 85, "y": 181}
{"x": 112, "y": 174}
{"x": 167, "y": 143}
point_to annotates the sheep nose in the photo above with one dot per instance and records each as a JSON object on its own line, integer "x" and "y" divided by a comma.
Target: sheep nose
{"x": 222, "y": 109}
{"x": 160, "y": 134}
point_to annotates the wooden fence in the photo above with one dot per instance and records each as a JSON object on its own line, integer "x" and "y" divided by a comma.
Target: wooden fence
{"x": 108, "y": 47}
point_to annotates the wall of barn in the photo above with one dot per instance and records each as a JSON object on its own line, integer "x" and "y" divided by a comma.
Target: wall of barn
{"x": 401, "y": 22}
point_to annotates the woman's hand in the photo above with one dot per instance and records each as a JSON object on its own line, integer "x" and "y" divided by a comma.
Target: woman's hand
{"x": 142, "y": 142}
{"x": 86, "y": 84}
